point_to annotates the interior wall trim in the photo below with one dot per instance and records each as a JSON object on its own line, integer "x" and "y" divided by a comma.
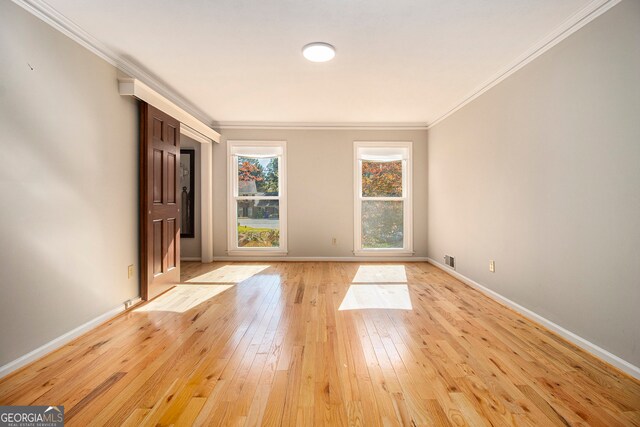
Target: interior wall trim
{"x": 267, "y": 258}
{"x": 195, "y": 135}
{"x": 206, "y": 202}
{"x": 63, "y": 339}
{"x": 568, "y": 27}
{"x": 57, "y": 20}
{"x": 48, "y": 14}
{"x": 189, "y": 124}
{"x": 584, "y": 344}
{"x": 320, "y": 126}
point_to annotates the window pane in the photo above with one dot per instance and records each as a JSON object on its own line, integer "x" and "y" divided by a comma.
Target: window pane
{"x": 257, "y": 176}
{"x": 258, "y": 223}
{"x": 381, "y": 179}
{"x": 382, "y": 224}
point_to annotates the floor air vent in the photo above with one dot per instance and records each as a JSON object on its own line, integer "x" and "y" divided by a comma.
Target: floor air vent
{"x": 450, "y": 261}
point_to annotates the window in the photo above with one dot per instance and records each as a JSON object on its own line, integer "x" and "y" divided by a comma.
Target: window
{"x": 257, "y": 197}
{"x": 383, "y": 212}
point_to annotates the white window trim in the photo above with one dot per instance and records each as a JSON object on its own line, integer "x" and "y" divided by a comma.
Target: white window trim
{"x": 232, "y": 188}
{"x": 407, "y": 173}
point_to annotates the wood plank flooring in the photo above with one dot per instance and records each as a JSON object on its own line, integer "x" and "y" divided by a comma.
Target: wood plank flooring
{"x": 312, "y": 344}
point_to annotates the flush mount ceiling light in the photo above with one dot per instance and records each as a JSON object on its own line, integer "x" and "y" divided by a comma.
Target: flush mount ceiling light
{"x": 319, "y": 52}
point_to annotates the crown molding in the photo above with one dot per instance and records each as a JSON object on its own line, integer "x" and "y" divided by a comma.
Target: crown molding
{"x": 48, "y": 14}
{"x": 321, "y": 126}
{"x": 568, "y": 27}
{"x": 51, "y": 16}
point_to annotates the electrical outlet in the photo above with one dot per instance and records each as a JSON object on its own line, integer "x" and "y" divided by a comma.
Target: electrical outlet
{"x": 492, "y": 266}
{"x": 334, "y": 241}
{"x": 130, "y": 271}
{"x": 128, "y": 304}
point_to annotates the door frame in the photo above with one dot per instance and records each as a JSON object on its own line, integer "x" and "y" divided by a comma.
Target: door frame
{"x": 206, "y": 192}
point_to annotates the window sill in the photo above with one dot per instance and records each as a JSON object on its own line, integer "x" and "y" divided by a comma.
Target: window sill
{"x": 256, "y": 252}
{"x": 384, "y": 252}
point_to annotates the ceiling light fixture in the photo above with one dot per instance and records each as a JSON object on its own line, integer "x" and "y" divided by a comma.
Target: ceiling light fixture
{"x": 319, "y": 52}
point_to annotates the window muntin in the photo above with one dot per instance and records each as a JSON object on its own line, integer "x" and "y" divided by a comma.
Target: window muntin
{"x": 383, "y": 213}
{"x": 257, "y": 204}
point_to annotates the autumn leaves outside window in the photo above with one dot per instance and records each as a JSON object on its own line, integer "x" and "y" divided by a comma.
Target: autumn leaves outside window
{"x": 383, "y": 203}
{"x": 257, "y": 197}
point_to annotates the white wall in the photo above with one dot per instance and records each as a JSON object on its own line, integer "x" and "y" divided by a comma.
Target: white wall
{"x": 320, "y": 184}
{"x": 69, "y": 185}
{"x": 191, "y": 247}
{"x": 542, "y": 174}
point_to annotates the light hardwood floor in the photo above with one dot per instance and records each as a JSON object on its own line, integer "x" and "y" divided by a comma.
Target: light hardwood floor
{"x": 324, "y": 344}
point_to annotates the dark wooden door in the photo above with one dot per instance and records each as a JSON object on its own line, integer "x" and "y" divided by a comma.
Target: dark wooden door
{"x": 160, "y": 201}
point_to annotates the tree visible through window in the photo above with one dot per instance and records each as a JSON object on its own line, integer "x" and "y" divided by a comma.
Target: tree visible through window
{"x": 382, "y": 179}
{"x": 382, "y": 219}
{"x": 382, "y": 196}
{"x": 257, "y": 197}
{"x": 258, "y": 222}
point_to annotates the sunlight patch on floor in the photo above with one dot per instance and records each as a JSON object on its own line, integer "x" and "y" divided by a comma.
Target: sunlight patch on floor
{"x": 232, "y": 273}
{"x": 183, "y": 298}
{"x": 376, "y": 296}
{"x": 381, "y": 274}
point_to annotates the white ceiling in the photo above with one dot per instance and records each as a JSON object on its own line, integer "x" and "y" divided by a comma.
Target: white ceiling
{"x": 400, "y": 61}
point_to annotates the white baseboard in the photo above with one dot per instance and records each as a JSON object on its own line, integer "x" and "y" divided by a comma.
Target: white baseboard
{"x": 190, "y": 258}
{"x": 320, "y": 259}
{"x": 62, "y": 340}
{"x": 597, "y": 351}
